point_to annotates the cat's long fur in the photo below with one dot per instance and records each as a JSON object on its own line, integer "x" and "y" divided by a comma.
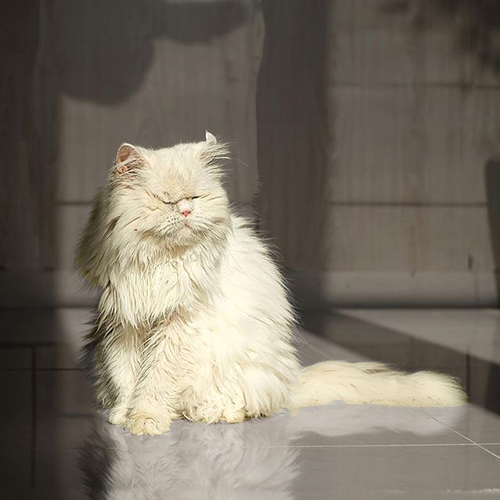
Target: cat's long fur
{"x": 194, "y": 319}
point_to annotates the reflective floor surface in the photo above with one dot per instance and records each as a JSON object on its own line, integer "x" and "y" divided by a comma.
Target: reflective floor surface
{"x": 56, "y": 445}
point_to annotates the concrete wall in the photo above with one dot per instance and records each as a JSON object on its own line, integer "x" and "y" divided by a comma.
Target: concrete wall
{"x": 374, "y": 126}
{"x": 98, "y": 73}
{"x": 381, "y": 168}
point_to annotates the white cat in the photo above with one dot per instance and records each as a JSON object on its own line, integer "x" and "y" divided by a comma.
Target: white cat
{"x": 194, "y": 319}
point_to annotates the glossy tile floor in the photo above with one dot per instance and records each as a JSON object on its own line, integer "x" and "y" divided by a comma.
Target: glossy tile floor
{"x": 55, "y": 445}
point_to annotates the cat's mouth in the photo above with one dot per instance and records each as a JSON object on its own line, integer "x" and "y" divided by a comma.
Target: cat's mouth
{"x": 186, "y": 223}
{"x": 186, "y": 227}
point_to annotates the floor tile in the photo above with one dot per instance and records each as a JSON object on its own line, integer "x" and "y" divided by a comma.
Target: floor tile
{"x": 16, "y": 358}
{"x": 16, "y": 466}
{"x": 332, "y": 425}
{"x": 475, "y": 423}
{"x": 483, "y": 383}
{"x": 43, "y": 326}
{"x": 54, "y": 475}
{"x": 342, "y": 424}
{"x": 54, "y": 335}
{"x": 17, "y": 404}
{"x": 308, "y": 354}
{"x": 351, "y": 327}
{"x": 61, "y": 356}
{"x": 361, "y": 340}
{"x": 65, "y": 408}
{"x": 337, "y": 451}
{"x": 413, "y": 473}
{"x": 473, "y": 331}
{"x": 225, "y": 468}
{"x": 59, "y": 474}
{"x": 73, "y": 325}
{"x": 327, "y": 348}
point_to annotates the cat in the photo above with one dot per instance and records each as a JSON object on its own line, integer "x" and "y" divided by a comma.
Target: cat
{"x": 194, "y": 320}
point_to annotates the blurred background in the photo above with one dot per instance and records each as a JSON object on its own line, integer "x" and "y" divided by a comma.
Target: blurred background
{"x": 365, "y": 137}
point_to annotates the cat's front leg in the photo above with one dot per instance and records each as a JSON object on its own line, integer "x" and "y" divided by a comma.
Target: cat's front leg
{"x": 120, "y": 359}
{"x": 155, "y": 397}
{"x": 118, "y": 415}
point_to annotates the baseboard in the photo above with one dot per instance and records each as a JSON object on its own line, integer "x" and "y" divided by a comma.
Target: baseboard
{"x": 394, "y": 289}
{"x": 336, "y": 289}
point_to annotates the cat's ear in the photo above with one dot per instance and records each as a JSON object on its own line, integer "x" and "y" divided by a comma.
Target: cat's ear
{"x": 212, "y": 151}
{"x": 210, "y": 138}
{"x": 128, "y": 158}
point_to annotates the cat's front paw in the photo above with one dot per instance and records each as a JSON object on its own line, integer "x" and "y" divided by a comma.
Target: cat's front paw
{"x": 118, "y": 416}
{"x": 143, "y": 423}
{"x": 232, "y": 416}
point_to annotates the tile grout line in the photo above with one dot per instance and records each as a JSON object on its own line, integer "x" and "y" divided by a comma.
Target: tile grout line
{"x": 471, "y": 441}
{"x": 448, "y": 427}
{"x": 489, "y": 451}
{"x": 462, "y": 435}
{"x": 402, "y": 445}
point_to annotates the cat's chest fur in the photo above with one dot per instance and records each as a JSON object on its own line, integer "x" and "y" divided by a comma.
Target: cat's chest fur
{"x": 140, "y": 293}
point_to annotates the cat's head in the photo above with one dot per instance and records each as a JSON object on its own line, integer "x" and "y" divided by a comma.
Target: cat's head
{"x": 172, "y": 195}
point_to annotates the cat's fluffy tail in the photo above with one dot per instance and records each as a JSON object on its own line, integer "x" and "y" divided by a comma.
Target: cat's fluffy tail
{"x": 374, "y": 383}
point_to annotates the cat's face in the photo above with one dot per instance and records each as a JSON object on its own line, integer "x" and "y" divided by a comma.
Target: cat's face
{"x": 174, "y": 194}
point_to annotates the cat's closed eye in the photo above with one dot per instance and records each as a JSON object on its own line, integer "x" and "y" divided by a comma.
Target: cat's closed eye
{"x": 177, "y": 201}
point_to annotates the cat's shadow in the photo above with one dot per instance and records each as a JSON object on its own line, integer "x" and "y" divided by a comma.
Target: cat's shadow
{"x": 257, "y": 459}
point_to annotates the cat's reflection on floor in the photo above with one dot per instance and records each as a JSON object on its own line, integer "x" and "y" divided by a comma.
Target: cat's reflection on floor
{"x": 256, "y": 459}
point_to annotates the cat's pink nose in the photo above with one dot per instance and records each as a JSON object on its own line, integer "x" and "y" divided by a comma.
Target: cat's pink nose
{"x": 186, "y": 212}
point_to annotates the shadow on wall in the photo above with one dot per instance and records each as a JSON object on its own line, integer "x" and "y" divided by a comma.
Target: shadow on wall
{"x": 114, "y": 40}
{"x": 293, "y": 129}
{"x": 477, "y": 23}
{"x": 108, "y": 57}
{"x": 99, "y": 52}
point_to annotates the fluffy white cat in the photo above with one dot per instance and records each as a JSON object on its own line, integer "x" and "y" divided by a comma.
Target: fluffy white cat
{"x": 194, "y": 319}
